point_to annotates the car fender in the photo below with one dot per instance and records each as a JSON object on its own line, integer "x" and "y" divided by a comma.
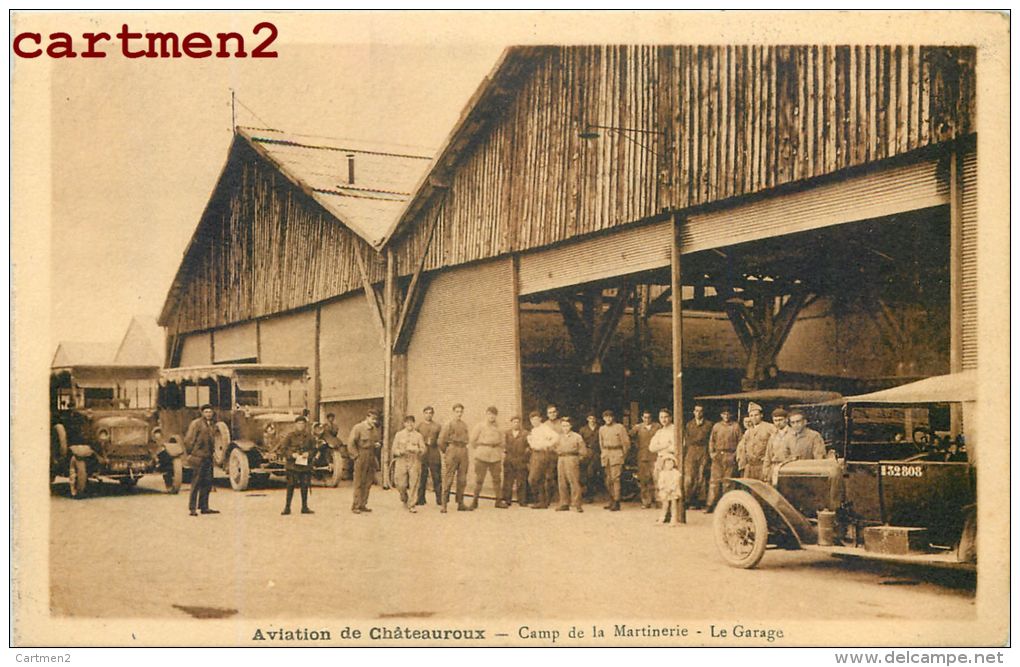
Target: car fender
{"x": 244, "y": 445}
{"x": 795, "y": 523}
{"x": 82, "y": 451}
{"x": 173, "y": 446}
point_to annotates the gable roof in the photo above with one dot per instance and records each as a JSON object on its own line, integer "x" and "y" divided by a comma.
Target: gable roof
{"x": 383, "y": 179}
{"x": 490, "y": 98}
{"x": 142, "y": 344}
{"x": 76, "y": 353}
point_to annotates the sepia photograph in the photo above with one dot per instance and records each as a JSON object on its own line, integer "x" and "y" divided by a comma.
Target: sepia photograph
{"x": 493, "y": 329}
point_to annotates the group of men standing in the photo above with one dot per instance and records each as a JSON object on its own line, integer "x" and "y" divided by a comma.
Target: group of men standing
{"x": 753, "y": 452}
{"x": 548, "y": 460}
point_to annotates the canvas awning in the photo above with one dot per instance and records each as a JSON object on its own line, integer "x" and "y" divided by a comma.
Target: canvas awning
{"x": 952, "y": 388}
{"x": 778, "y": 395}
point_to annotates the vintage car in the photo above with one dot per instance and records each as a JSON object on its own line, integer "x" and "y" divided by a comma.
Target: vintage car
{"x": 899, "y": 487}
{"x": 256, "y": 406}
{"x": 103, "y": 426}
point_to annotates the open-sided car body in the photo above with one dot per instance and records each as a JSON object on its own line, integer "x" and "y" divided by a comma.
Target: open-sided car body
{"x": 900, "y": 486}
{"x": 247, "y": 398}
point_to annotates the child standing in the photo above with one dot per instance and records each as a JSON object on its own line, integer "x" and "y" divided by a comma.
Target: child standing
{"x": 668, "y": 487}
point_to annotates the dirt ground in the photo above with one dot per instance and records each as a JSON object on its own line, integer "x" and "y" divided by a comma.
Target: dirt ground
{"x": 138, "y": 553}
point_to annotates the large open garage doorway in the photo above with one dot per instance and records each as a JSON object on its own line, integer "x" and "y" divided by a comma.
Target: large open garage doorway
{"x": 845, "y": 308}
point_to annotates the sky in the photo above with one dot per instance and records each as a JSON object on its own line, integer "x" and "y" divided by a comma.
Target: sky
{"x": 137, "y": 146}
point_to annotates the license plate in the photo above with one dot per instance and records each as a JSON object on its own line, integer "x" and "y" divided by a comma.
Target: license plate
{"x": 902, "y": 471}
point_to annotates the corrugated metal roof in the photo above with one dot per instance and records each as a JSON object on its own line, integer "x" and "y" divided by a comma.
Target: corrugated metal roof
{"x": 383, "y": 177}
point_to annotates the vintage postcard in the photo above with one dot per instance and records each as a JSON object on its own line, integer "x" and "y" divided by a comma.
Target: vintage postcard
{"x": 495, "y": 329}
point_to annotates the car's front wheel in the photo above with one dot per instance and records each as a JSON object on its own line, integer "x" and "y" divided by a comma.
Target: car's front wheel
{"x": 77, "y": 477}
{"x": 741, "y": 529}
{"x": 175, "y": 476}
{"x": 336, "y": 468}
{"x": 239, "y": 470}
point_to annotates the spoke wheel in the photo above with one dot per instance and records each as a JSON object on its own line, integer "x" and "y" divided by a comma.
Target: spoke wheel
{"x": 239, "y": 469}
{"x": 175, "y": 476}
{"x": 77, "y": 477}
{"x": 741, "y": 529}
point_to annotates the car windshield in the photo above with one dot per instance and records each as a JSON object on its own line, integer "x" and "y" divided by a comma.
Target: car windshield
{"x": 895, "y": 433}
{"x": 270, "y": 391}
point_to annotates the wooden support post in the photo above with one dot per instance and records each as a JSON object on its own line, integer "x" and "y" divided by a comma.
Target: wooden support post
{"x": 515, "y": 266}
{"x": 370, "y": 295}
{"x": 955, "y": 265}
{"x": 389, "y": 307}
{"x": 317, "y": 385}
{"x": 413, "y": 296}
{"x": 676, "y": 287}
{"x": 955, "y": 281}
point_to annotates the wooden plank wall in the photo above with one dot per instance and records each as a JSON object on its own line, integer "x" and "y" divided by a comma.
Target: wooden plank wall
{"x": 737, "y": 120}
{"x": 264, "y": 247}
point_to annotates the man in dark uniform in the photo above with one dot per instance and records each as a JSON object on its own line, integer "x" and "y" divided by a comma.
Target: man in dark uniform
{"x": 590, "y": 462}
{"x": 199, "y": 442}
{"x": 641, "y": 435}
{"x": 432, "y": 462}
{"x": 298, "y": 449}
{"x": 453, "y": 441}
{"x": 722, "y": 451}
{"x": 696, "y": 434}
{"x": 365, "y": 439}
{"x": 515, "y": 465}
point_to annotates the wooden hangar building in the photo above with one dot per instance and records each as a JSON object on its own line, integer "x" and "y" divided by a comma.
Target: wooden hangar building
{"x": 813, "y": 207}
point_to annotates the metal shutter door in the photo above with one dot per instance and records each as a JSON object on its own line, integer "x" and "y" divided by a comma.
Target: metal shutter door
{"x": 234, "y": 343}
{"x": 463, "y": 348}
{"x": 350, "y": 352}
{"x": 290, "y": 339}
{"x": 628, "y": 251}
{"x": 195, "y": 350}
{"x": 873, "y": 195}
{"x": 968, "y": 262}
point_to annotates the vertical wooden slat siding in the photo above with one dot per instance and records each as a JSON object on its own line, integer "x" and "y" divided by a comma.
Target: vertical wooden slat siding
{"x": 735, "y": 121}
{"x": 739, "y": 119}
{"x": 264, "y": 247}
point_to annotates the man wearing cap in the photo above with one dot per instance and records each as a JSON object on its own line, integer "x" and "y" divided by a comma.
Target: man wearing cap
{"x": 407, "y": 450}
{"x": 568, "y": 466}
{"x": 199, "y": 441}
{"x": 696, "y": 434}
{"x": 298, "y": 450}
{"x": 777, "y": 442}
{"x": 642, "y": 435}
{"x": 331, "y": 434}
{"x": 364, "y": 440}
{"x": 753, "y": 446}
{"x": 614, "y": 443}
{"x": 802, "y": 443}
{"x": 542, "y": 468}
{"x": 488, "y": 443}
{"x": 432, "y": 462}
{"x": 453, "y": 441}
{"x": 515, "y": 465}
{"x": 722, "y": 449}
{"x": 590, "y": 461}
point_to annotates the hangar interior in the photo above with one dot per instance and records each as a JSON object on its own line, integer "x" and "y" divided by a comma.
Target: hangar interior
{"x": 848, "y": 308}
